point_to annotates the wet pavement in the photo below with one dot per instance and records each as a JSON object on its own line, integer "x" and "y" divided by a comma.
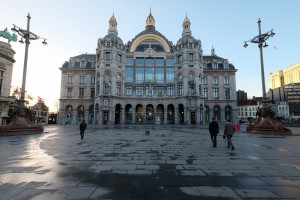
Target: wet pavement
{"x": 173, "y": 162}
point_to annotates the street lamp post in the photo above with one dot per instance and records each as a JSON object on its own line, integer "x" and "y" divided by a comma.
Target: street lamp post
{"x": 21, "y": 120}
{"x": 27, "y": 36}
{"x": 264, "y": 124}
{"x": 261, "y": 39}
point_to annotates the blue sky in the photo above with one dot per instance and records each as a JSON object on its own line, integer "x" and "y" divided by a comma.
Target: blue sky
{"x": 72, "y": 27}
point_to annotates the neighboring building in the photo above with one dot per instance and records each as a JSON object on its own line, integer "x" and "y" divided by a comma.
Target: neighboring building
{"x": 78, "y": 89}
{"x": 148, "y": 81}
{"x": 247, "y": 113}
{"x": 276, "y": 79}
{"x": 293, "y": 98}
{"x": 6, "y": 69}
{"x": 241, "y": 95}
{"x": 292, "y": 74}
{"x": 52, "y": 118}
{"x": 282, "y": 110}
{"x": 285, "y": 86}
{"x": 284, "y": 77}
{"x": 40, "y": 113}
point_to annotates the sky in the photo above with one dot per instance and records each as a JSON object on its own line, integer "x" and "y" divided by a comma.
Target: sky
{"x": 72, "y": 27}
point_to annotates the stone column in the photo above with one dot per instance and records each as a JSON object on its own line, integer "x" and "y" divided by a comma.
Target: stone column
{"x": 145, "y": 113}
{"x": 100, "y": 116}
{"x": 198, "y": 120}
{"x": 133, "y": 116}
{"x": 113, "y": 116}
{"x": 222, "y": 114}
{"x": 186, "y": 113}
{"x": 165, "y": 115}
{"x": 122, "y": 115}
{"x": 176, "y": 115}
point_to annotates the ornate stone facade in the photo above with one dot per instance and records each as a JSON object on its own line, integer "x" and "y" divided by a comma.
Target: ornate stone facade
{"x": 6, "y": 69}
{"x": 148, "y": 80}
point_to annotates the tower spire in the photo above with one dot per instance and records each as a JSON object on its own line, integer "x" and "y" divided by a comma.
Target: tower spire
{"x": 150, "y": 21}
{"x": 113, "y": 25}
{"x": 186, "y": 26}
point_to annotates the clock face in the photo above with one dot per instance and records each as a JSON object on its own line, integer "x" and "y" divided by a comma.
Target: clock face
{"x": 150, "y": 52}
{"x": 180, "y": 76}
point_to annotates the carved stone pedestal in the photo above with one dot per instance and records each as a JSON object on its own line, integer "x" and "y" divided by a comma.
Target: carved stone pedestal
{"x": 21, "y": 124}
{"x": 264, "y": 124}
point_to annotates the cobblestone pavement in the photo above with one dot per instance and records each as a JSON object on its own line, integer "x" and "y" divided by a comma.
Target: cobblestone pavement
{"x": 173, "y": 162}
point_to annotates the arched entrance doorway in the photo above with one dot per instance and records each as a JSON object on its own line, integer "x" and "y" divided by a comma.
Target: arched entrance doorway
{"x": 68, "y": 114}
{"x": 139, "y": 110}
{"x": 217, "y": 113}
{"x": 128, "y": 114}
{"x": 149, "y": 114}
{"x": 228, "y": 113}
{"x": 159, "y": 115}
{"x": 80, "y": 113}
{"x": 171, "y": 114}
{"x": 181, "y": 113}
{"x": 118, "y": 114}
{"x": 193, "y": 117}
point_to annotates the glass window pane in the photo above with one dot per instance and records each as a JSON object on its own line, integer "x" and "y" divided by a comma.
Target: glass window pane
{"x": 129, "y": 61}
{"x": 149, "y": 74}
{"x": 159, "y": 75}
{"x": 139, "y": 75}
{"x": 159, "y": 62}
{"x": 170, "y": 62}
{"x": 149, "y": 62}
{"x": 139, "y": 61}
{"x": 170, "y": 75}
{"x": 129, "y": 74}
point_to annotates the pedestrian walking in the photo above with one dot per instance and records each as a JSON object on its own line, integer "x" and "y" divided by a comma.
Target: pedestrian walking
{"x": 213, "y": 130}
{"x": 82, "y": 128}
{"x": 228, "y": 132}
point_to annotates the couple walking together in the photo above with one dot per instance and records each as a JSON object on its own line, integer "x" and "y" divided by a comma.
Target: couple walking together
{"x": 228, "y": 132}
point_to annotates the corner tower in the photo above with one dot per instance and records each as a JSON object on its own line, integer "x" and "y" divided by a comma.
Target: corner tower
{"x": 188, "y": 57}
{"x": 110, "y": 70}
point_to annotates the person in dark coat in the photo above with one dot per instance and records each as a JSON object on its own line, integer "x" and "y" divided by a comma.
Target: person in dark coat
{"x": 213, "y": 130}
{"x": 82, "y": 128}
{"x": 228, "y": 132}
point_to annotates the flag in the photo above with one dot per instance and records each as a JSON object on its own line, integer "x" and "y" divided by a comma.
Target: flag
{"x": 28, "y": 96}
{"x": 16, "y": 92}
{"x": 40, "y": 100}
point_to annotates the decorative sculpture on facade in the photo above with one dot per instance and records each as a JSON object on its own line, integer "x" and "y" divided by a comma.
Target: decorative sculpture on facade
{"x": 10, "y": 37}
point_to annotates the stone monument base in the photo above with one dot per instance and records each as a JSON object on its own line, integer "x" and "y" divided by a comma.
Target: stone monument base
{"x": 21, "y": 124}
{"x": 264, "y": 125}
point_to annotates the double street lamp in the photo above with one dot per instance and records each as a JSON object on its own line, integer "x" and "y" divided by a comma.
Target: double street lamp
{"x": 27, "y": 36}
{"x": 261, "y": 39}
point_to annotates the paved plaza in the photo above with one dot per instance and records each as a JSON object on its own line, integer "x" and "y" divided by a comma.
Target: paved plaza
{"x": 173, "y": 162}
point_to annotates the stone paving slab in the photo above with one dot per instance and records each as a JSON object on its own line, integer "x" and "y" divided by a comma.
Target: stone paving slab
{"x": 173, "y": 162}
